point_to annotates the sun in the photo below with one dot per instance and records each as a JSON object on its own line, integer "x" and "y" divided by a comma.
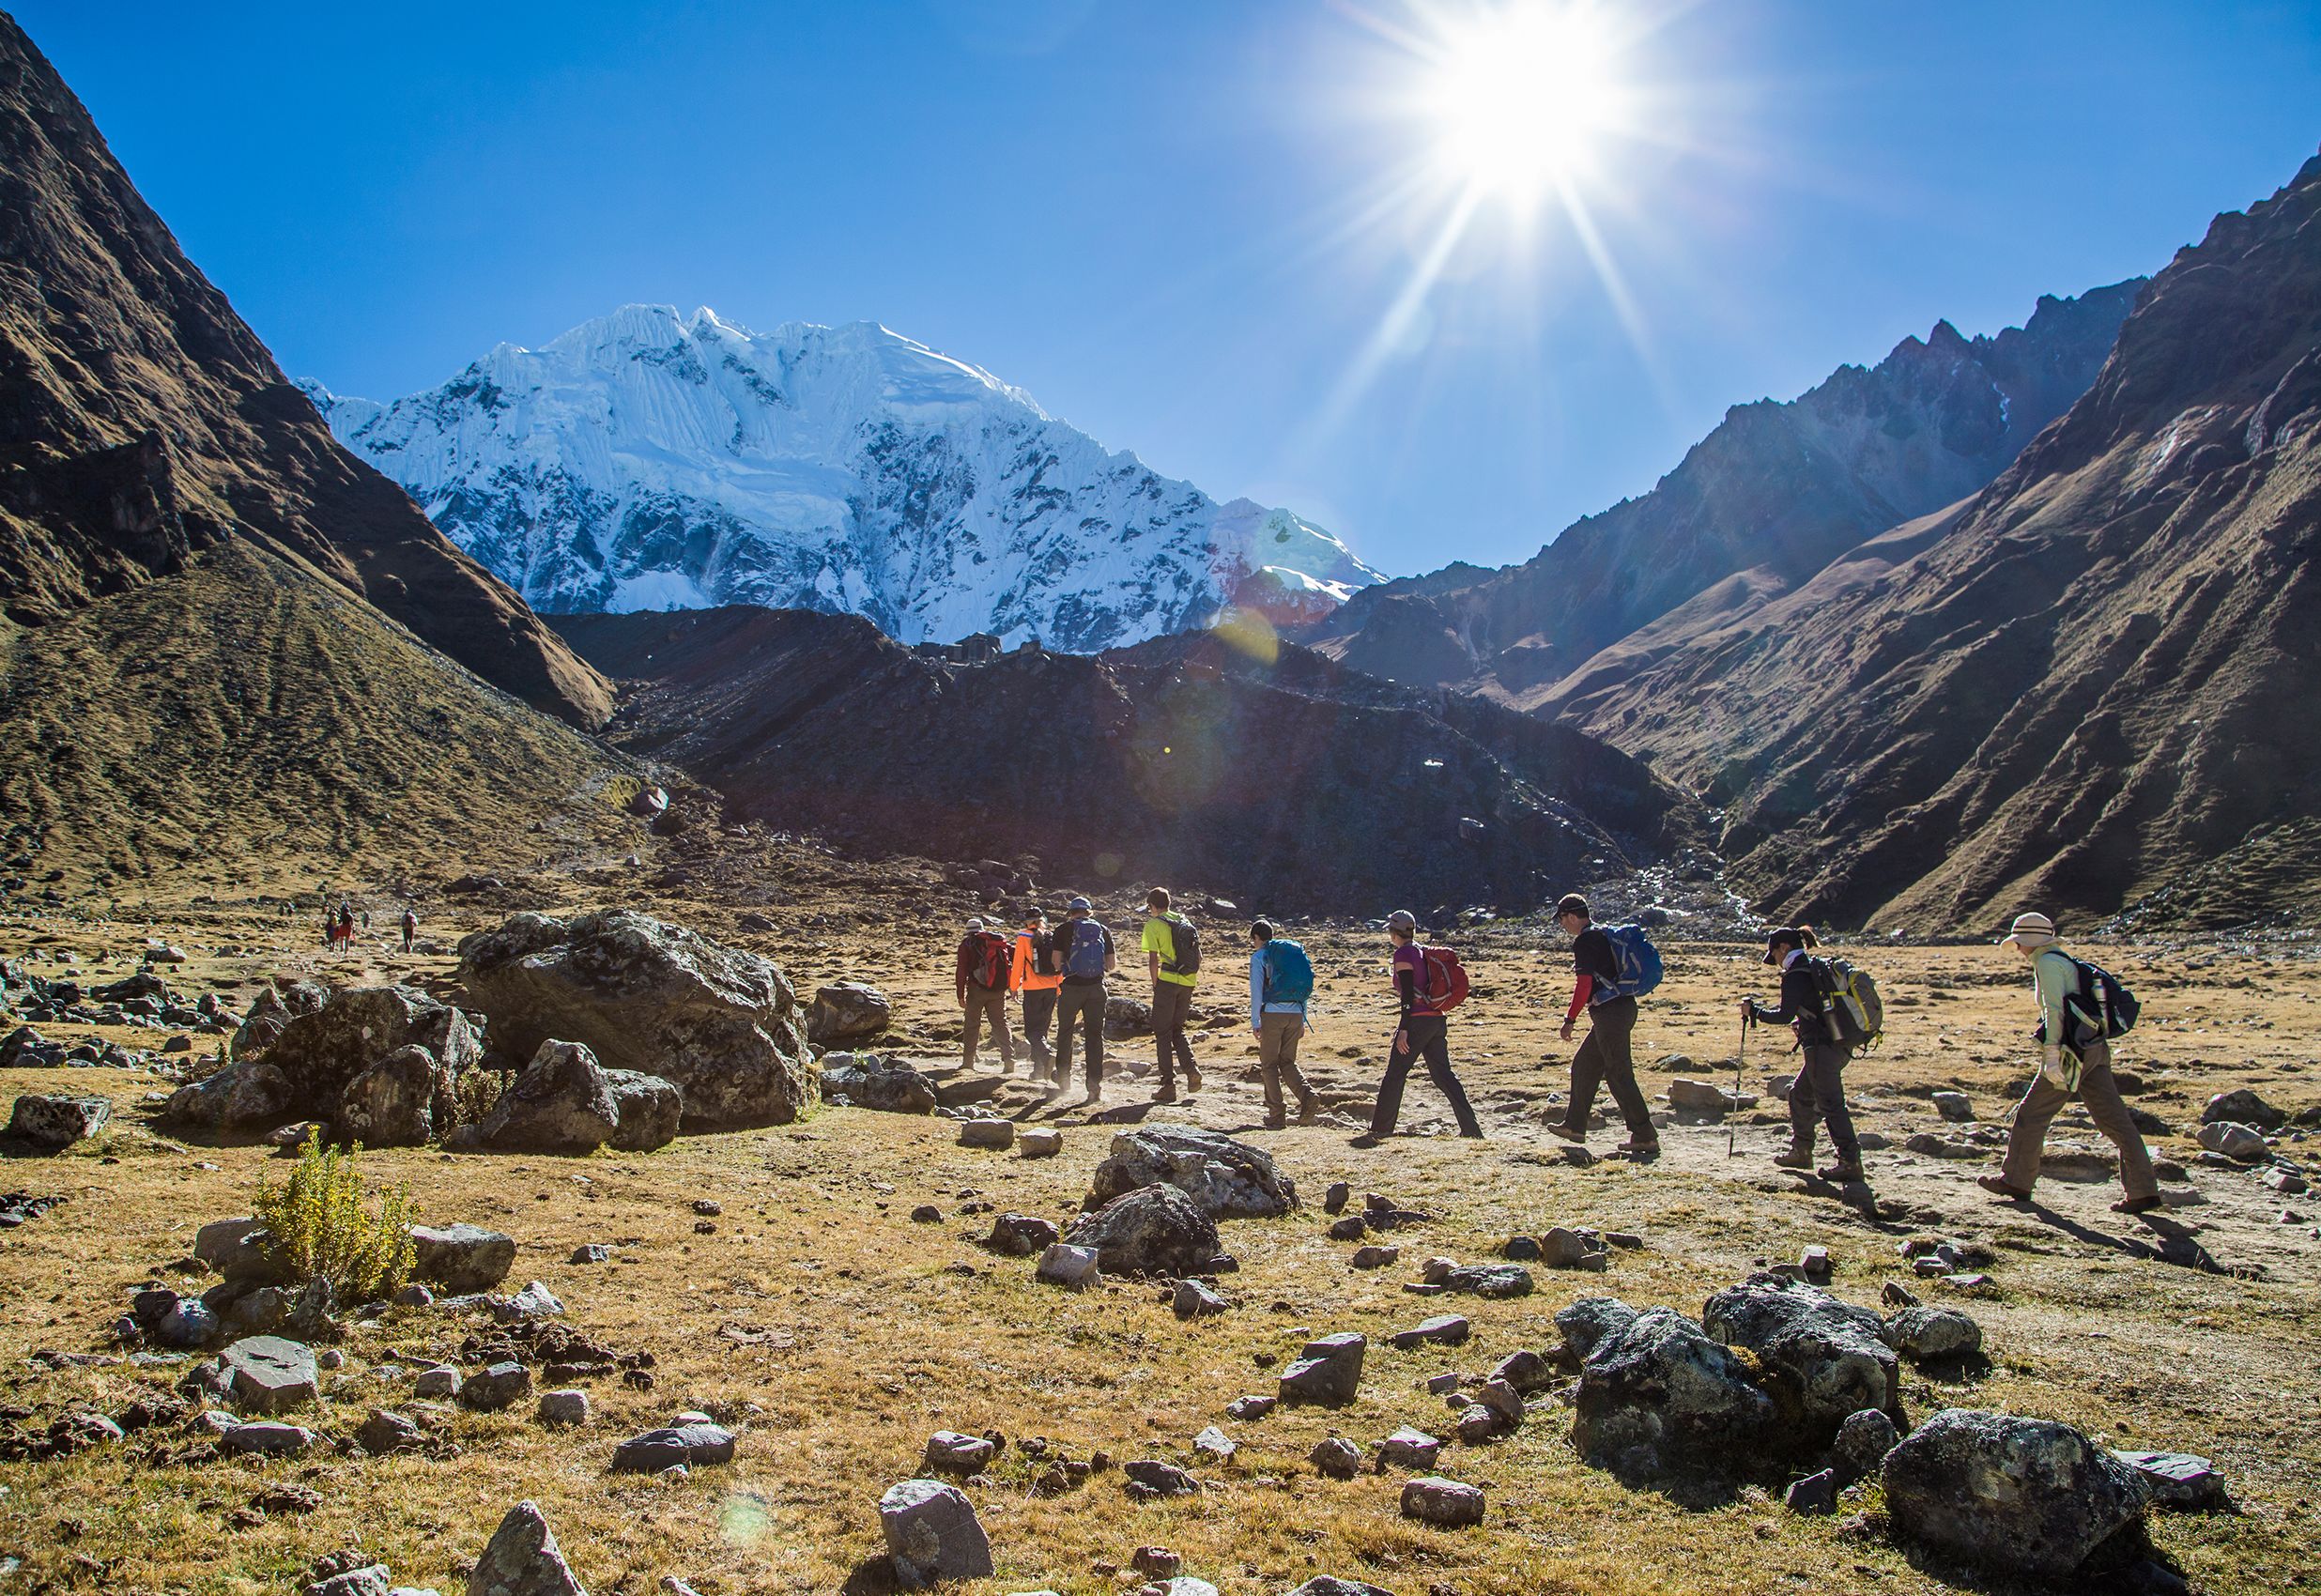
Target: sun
{"x": 1520, "y": 98}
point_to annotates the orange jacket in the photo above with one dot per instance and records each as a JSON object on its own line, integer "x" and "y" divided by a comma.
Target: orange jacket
{"x": 1024, "y": 977}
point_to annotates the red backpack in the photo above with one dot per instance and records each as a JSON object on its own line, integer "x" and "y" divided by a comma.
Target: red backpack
{"x": 989, "y": 960}
{"x": 1444, "y": 986}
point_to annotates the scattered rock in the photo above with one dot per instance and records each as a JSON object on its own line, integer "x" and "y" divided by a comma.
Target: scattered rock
{"x": 846, "y": 1012}
{"x": 926, "y": 1214}
{"x": 1863, "y": 1441}
{"x": 591, "y": 1252}
{"x": 2178, "y": 1480}
{"x": 650, "y": 1110}
{"x": 1374, "y": 1257}
{"x": 386, "y": 1431}
{"x": 1042, "y": 1142}
{"x": 1815, "y": 1494}
{"x": 1193, "y": 1300}
{"x": 563, "y": 1407}
{"x": 2024, "y": 1496}
{"x": 1150, "y": 1477}
{"x": 1353, "y": 1227}
{"x": 1327, "y": 1584}
{"x": 1699, "y": 1096}
{"x": 949, "y": 1451}
{"x": 1250, "y": 1407}
{"x": 53, "y": 1123}
{"x": 1215, "y": 1445}
{"x": 1075, "y": 1268}
{"x": 269, "y": 1374}
{"x": 1588, "y": 1321}
{"x": 869, "y": 1081}
{"x": 1408, "y": 1448}
{"x": 1956, "y": 1107}
{"x": 440, "y": 1382}
{"x": 522, "y": 1559}
{"x": 1524, "y": 1371}
{"x": 2242, "y": 1106}
{"x": 500, "y": 1385}
{"x": 2242, "y": 1142}
{"x": 1328, "y": 1370}
{"x": 1927, "y": 1335}
{"x": 270, "y": 1437}
{"x": 694, "y": 1446}
{"x": 1432, "y": 1499}
{"x": 1155, "y": 1563}
{"x": 1656, "y": 1395}
{"x": 1446, "y": 1329}
{"x": 1225, "y": 1178}
{"x": 997, "y": 1133}
{"x": 461, "y": 1258}
{"x": 1490, "y": 1280}
{"x": 1148, "y": 1230}
{"x": 535, "y": 1301}
{"x": 1335, "y": 1198}
{"x": 1337, "y": 1458}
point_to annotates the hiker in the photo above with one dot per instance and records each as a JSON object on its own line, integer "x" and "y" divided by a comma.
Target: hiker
{"x": 1281, "y": 984}
{"x": 2075, "y": 1065}
{"x": 1084, "y": 948}
{"x": 1172, "y": 958}
{"x": 981, "y": 975}
{"x": 1818, "y": 1092}
{"x": 410, "y": 926}
{"x": 1604, "y": 1058}
{"x": 1425, "y": 995}
{"x": 1036, "y": 975}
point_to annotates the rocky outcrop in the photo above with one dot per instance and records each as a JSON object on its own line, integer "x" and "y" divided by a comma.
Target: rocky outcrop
{"x": 1226, "y": 1179}
{"x": 651, "y": 998}
{"x": 2023, "y": 1495}
{"x": 380, "y": 1064}
{"x": 1154, "y": 1229}
{"x": 1657, "y": 1396}
{"x": 1834, "y": 1355}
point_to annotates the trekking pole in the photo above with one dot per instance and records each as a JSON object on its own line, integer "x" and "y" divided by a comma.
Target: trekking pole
{"x": 1729, "y": 1129}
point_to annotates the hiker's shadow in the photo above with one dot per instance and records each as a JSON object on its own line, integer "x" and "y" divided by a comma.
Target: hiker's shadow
{"x": 1858, "y": 1195}
{"x": 2172, "y": 1242}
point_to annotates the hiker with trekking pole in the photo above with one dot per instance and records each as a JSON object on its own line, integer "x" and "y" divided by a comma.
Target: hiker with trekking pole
{"x": 1612, "y": 966}
{"x": 1825, "y": 1040}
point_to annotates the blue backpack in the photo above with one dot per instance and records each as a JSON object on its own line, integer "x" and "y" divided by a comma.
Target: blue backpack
{"x": 1289, "y": 974}
{"x": 1638, "y": 959}
{"x": 1087, "y": 955}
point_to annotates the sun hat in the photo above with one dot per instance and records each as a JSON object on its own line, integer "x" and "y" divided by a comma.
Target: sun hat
{"x": 2029, "y": 930}
{"x": 975, "y": 922}
{"x": 1076, "y": 903}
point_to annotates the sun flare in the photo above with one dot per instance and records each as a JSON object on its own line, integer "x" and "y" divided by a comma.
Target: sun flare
{"x": 1521, "y": 96}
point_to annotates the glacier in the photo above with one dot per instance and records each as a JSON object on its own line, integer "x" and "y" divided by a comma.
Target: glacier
{"x": 648, "y": 460}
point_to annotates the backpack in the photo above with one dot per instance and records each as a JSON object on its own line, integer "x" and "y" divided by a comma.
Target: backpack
{"x": 988, "y": 959}
{"x": 2101, "y": 1009}
{"x": 1852, "y": 1007}
{"x": 1443, "y": 986}
{"x": 1084, "y": 958}
{"x": 1045, "y": 958}
{"x": 1289, "y": 974}
{"x": 1638, "y": 961}
{"x": 1187, "y": 942}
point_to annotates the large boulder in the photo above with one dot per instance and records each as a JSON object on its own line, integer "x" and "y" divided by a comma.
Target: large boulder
{"x": 847, "y": 1011}
{"x": 868, "y": 1082}
{"x": 53, "y": 1123}
{"x": 1658, "y": 1396}
{"x": 271, "y": 1012}
{"x": 522, "y": 1559}
{"x": 650, "y": 1109}
{"x": 1834, "y": 1355}
{"x": 1154, "y": 1229}
{"x": 393, "y": 1104}
{"x": 460, "y": 1258}
{"x": 1226, "y": 1178}
{"x": 1933, "y": 1335}
{"x": 306, "y": 1070}
{"x": 932, "y": 1534}
{"x": 2241, "y": 1105}
{"x": 2023, "y": 1495}
{"x": 721, "y": 1023}
{"x": 562, "y": 1103}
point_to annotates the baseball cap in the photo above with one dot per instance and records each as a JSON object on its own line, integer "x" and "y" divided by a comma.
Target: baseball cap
{"x": 1077, "y": 903}
{"x": 1401, "y": 920}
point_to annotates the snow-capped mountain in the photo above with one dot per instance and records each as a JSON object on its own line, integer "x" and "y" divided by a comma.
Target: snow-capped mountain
{"x": 651, "y": 461}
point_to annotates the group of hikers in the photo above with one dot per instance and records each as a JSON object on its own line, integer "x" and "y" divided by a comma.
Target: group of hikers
{"x": 1832, "y": 1009}
{"x": 339, "y": 926}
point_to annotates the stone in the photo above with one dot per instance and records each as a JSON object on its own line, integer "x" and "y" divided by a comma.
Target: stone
{"x": 463, "y": 1257}
{"x": 1561, "y": 1249}
{"x": 1432, "y": 1499}
{"x": 1446, "y": 1329}
{"x": 1814, "y": 1262}
{"x": 2286, "y": 1181}
{"x": 1408, "y": 1448}
{"x": 691, "y": 1445}
{"x": 1835, "y": 1353}
{"x": 1215, "y": 1445}
{"x": 1075, "y": 1268}
{"x": 1328, "y": 1585}
{"x": 1328, "y": 1369}
{"x": 1020, "y": 1235}
{"x": 535, "y": 1301}
{"x": 1657, "y": 1396}
{"x": 563, "y": 1407}
{"x": 1250, "y": 1407}
{"x": 949, "y": 1451}
{"x": 53, "y": 1123}
{"x": 869, "y": 1081}
{"x": 650, "y": 1110}
{"x": 1589, "y": 1320}
{"x": 1148, "y": 1230}
{"x": 995, "y": 1133}
{"x": 393, "y": 1102}
{"x": 1930, "y": 1145}
{"x": 1863, "y": 1441}
{"x": 1042, "y": 1142}
{"x": 269, "y": 1374}
{"x": 1815, "y": 1494}
{"x": 2017, "y": 1495}
{"x": 2086, "y": 1164}
{"x": 1374, "y": 1257}
{"x": 2242, "y": 1106}
{"x": 1155, "y": 1563}
{"x": 591, "y": 1253}
{"x": 1353, "y": 1227}
{"x": 845, "y": 1012}
{"x": 268, "y": 1438}
{"x": 1490, "y": 1280}
{"x": 1193, "y": 1300}
{"x": 1524, "y": 1371}
{"x": 440, "y": 1382}
{"x": 925, "y": 1214}
{"x": 1153, "y": 1477}
{"x": 298, "y": 1055}
{"x": 1226, "y": 1179}
{"x": 2177, "y": 1480}
{"x": 1956, "y": 1107}
{"x": 1520, "y": 1249}
{"x": 1335, "y": 1198}
{"x": 367, "y": 1581}
{"x": 189, "y": 1323}
{"x": 1337, "y": 1458}
{"x": 720, "y": 1023}
{"x": 1927, "y": 1335}
{"x": 1502, "y": 1401}
{"x": 2242, "y": 1142}
{"x": 562, "y": 1102}
{"x": 522, "y": 1559}
{"x": 386, "y": 1431}
{"x": 1699, "y": 1096}
{"x": 500, "y": 1385}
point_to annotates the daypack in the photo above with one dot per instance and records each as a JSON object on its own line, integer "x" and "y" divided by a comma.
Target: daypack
{"x": 1444, "y": 988}
{"x": 1850, "y": 1003}
{"x": 989, "y": 959}
{"x": 2101, "y": 1009}
{"x": 1046, "y": 960}
{"x": 1638, "y": 961}
{"x": 1289, "y": 974}
{"x": 1187, "y": 941}
{"x": 1084, "y": 957}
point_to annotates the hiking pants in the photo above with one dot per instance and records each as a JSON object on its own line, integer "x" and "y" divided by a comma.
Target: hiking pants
{"x": 1081, "y": 1005}
{"x": 1429, "y": 1040}
{"x": 1039, "y": 1014}
{"x": 2100, "y": 1093}
{"x": 407, "y": 941}
{"x": 1819, "y": 1094}
{"x": 1172, "y": 1007}
{"x": 1604, "y": 1059}
{"x": 1277, "y": 1060}
{"x": 992, "y": 1001}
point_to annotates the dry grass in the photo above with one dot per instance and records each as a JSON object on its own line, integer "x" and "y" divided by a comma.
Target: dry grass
{"x": 861, "y": 1332}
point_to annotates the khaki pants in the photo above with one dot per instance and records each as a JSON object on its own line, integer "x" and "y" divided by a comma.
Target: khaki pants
{"x": 2100, "y": 1093}
{"x": 1276, "y": 1059}
{"x": 993, "y": 1002}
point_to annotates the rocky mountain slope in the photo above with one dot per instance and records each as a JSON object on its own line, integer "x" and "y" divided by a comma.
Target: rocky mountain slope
{"x": 1776, "y": 490}
{"x": 141, "y": 421}
{"x": 2088, "y": 688}
{"x": 653, "y": 461}
{"x": 1286, "y": 782}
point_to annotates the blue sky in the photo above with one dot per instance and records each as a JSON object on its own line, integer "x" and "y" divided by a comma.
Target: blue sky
{"x": 1182, "y": 225}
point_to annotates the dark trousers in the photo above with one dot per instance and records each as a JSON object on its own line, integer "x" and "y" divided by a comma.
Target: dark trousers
{"x": 1819, "y": 1093}
{"x": 1604, "y": 1059}
{"x": 1172, "y": 1007}
{"x": 1429, "y": 1040}
{"x": 1083, "y": 1006}
{"x": 1039, "y": 1014}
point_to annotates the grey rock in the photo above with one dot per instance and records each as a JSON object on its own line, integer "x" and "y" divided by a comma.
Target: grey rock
{"x": 1041, "y": 1142}
{"x": 1408, "y": 1448}
{"x": 1375, "y": 1257}
{"x": 1193, "y": 1300}
{"x": 1150, "y": 1229}
{"x": 2242, "y": 1106}
{"x": 236, "y": 1249}
{"x": 949, "y": 1451}
{"x": 995, "y": 1133}
{"x": 1336, "y": 1458}
{"x": 522, "y": 1559}
{"x": 2238, "y": 1141}
{"x": 291, "y": 1065}
{"x": 1658, "y": 1396}
{"x": 1328, "y": 1369}
{"x": 269, "y": 1374}
{"x": 2023, "y": 1496}
{"x": 51, "y": 1123}
{"x": 1446, "y": 1329}
{"x": 440, "y": 1382}
{"x": 1931, "y": 1334}
{"x": 1956, "y": 1107}
{"x": 1215, "y": 1445}
{"x": 270, "y": 1437}
{"x": 1329, "y": 1585}
{"x": 1833, "y": 1352}
{"x": 1699, "y": 1096}
{"x": 370, "y": 1581}
{"x": 845, "y": 1012}
{"x": 562, "y": 1102}
{"x": 462, "y": 1257}
{"x": 1591, "y": 1321}
{"x": 694, "y": 1445}
{"x": 932, "y": 1534}
{"x": 1249, "y": 1407}
{"x": 1561, "y": 1249}
{"x": 1863, "y": 1441}
{"x": 2177, "y": 1480}
{"x": 1226, "y": 1179}
{"x": 393, "y": 1102}
{"x": 1490, "y": 1280}
{"x": 591, "y": 1252}
{"x": 187, "y": 1326}
{"x": 1815, "y": 1494}
{"x": 1526, "y": 1371}
{"x": 1075, "y": 1268}
{"x": 386, "y": 1431}
{"x": 535, "y": 1301}
{"x": 1930, "y": 1145}
{"x": 1432, "y": 1499}
{"x": 501, "y": 1385}
{"x": 1020, "y": 1235}
{"x": 1161, "y": 1479}
{"x": 868, "y": 1082}
{"x": 650, "y": 1110}
{"x": 563, "y": 1407}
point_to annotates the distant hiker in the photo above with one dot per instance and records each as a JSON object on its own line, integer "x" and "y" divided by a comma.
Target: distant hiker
{"x": 1085, "y": 950}
{"x": 410, "y": 926}
{"x": 1429, "y": 982}
{"x": 1281, "y": 984}
{"x": 1036, "y": 974}
{"x": 1604, "y": 1058}
{"x": 2080, "y": 1009}
{"x": 984, "y": 958}
{"x": 1819, "y": 1093}
{"x": 1172, "y": 958}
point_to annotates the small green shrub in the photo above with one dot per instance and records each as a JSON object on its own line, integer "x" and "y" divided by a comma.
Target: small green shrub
{"x": 318, "y": 1227}
{"x": 475, "y": 1093}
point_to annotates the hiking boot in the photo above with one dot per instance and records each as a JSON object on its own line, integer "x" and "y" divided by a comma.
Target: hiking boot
{"x": 1309, "y": 1113}
{"x": 1193, "y": 1079}
{"x": 1637, "y": 1149}
{"x": 1557, "y": 1127}
{"x": 1474, "y": 1135}
{"x": 1366, "y": 1141}
{"x": 1166, "y": 1094}
{"x": 1844, "y": 1169}
{"x": 1796, "y": 1158}
{"x": 1998, "y": 1188}
{"x": 2137, "y": 1204}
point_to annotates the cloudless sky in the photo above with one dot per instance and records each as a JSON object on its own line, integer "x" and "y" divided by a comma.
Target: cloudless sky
{"x": 1181, "y": 225}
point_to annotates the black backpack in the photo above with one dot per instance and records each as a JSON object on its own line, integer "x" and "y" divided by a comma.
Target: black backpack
{"x": 2101, "y": 1009}
{"x": 1044, "y": 957}
{"x": 1187, "y": 942}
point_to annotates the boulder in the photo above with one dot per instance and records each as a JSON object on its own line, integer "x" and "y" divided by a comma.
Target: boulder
{"x": 649, "y": 1111}
{"x": 847, "y": 1011}
{"x": 932, "y": 1534}
{"x": 269, "y": 1438}
{"x": 302, "y": 1067}
{"x": 1020, "y": 1235}
{"x": 1835, "y": 1354}
{"x": 1863, "y": 1441}
{"x": 2177, "y": 1480}
{"x": 1193, "y": 1300}
{"x": 269, "y": 1374}
{"x": 1699, "y": 1096}
{"x": 694, "y": 1445}
{"x": 1152, "y": 1230}
{"x": 721, "y": 1023}
{"x": 462, "y": 1258}
{"x": 1432, "y": 1499}
{"x": 1490, "y": 1280}
{"x": 949, "y": 1451}
{"x": 996, "y": 1133}
{"x": 1928, "y": 1335}
{"x": 2016, "y": 1495}
{"x": 53, "y": 1123}
{"x": 869, "y": 1081}
{"x": 2241, "y": 1105}
{"x": 1074, "y": 1268}
{"x": 562, "y": 1103}
{"x": 1328, "y": 1369}
{"x": 2243, "y": 1143}
{"x": 237, "y": 1250}
{"x": 1336, "y": 1458}
{"x": 1408, "y": 1448}
{"x": 501, "y": 1385}
{"x": 392, "y": 1103}
{"x": 1227, "y": 1179}
{"x": 1658, "y": 1396}
{"x": 522, "y": 1559}
{"x": 1588, "y": 1321}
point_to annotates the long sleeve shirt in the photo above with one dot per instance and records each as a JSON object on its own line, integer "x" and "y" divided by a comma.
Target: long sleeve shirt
{"x": 1802, "y": 1004}
{"x": 2053, "y": 977}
